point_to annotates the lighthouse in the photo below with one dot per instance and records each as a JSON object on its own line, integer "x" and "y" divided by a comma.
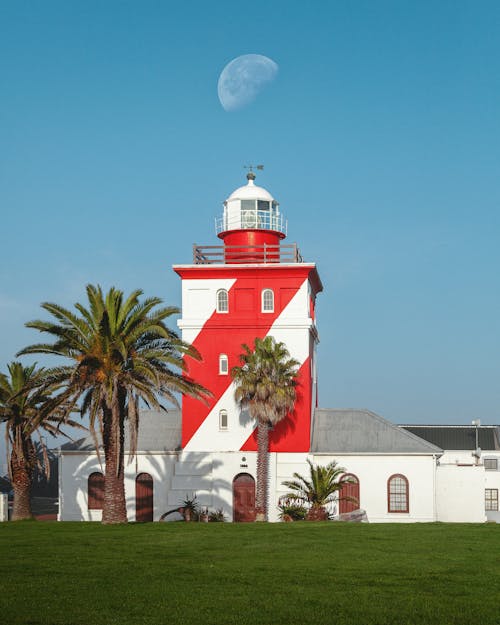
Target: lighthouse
{"x": 252, "y": 284}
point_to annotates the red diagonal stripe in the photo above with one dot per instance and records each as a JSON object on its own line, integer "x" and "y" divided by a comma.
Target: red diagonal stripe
{"x": 225, "y": 333}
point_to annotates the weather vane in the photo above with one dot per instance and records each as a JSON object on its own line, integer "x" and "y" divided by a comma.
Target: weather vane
{"x": 250, "y": 174}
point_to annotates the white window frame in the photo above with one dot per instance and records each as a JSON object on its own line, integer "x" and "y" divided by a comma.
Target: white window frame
{"x": 223, "y": 360}
{"x": 222, "y": 307}
{"x": 223, "y": 426}
{"x": 264, "y": 303}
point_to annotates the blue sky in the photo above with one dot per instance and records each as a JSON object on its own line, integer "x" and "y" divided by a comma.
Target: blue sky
{"x": 380, "y": 138}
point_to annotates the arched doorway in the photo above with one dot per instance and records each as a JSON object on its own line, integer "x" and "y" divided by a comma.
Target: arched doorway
{"x": 143, "y": 498}
{"x": 350, "y": 490}
{"x": 243, "y": 498}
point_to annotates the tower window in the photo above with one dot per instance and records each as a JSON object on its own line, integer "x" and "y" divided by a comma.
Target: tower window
{"x": 223, "y": 420}
{"x": 223, "y": 364}
{"x": 267, "y": 301}
{"x": 222, "y": 301}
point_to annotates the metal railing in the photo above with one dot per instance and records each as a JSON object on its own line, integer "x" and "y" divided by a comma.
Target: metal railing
{"x": 230, "y": 254}
{"x": 251, "y": 219}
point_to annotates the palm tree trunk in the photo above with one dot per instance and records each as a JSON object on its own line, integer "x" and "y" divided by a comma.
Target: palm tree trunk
{"x": 262, "y": 470}
{"x": 114, "y": 506}
{"x": 21, "y": 466}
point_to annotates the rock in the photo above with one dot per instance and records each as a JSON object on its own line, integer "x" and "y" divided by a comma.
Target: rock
{"x": 356, "y": 516}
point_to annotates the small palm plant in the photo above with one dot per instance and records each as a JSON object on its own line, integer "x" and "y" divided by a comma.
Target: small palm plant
{"x": 320, "y": 490}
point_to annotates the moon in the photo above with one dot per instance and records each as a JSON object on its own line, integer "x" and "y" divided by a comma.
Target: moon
{"x": 243, "y": 79}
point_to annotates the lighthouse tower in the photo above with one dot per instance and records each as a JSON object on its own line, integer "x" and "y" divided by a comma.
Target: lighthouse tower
{"x": 252, "y": 285}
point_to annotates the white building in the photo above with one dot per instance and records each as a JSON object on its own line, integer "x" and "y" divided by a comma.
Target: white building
{"x": 254, "y": 285}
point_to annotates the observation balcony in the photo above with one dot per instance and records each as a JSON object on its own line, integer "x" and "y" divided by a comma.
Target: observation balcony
{"x": 251, "y": 219}
{"x": 240, "y": 254}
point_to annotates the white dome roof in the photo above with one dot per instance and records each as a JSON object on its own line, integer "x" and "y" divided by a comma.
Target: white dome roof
{"x": 250, "y": 191}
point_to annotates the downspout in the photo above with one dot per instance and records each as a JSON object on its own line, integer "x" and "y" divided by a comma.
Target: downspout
{"x": 436, "y": 464}
{"x": 59, "y": 486}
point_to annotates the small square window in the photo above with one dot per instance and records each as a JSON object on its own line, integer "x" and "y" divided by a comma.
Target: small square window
{"x": 491, "y": 499}
{"x": 491, "y": 464}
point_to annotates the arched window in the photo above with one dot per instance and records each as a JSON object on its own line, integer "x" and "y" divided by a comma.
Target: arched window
{"x": 223, "y": 420}
{"x": 95, "y": 490}
{"x": 222, "y": 301}
{"x": 223, "y": 364}
{"x": 398, "y": 494}
{"x": 267, "y": 301}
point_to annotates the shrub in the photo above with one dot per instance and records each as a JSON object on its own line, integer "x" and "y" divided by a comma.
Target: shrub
{"x": 291, "y": 510}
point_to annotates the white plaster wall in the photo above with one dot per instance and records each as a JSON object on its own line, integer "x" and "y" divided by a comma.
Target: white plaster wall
{"x": 76, "y": 467}
{"x": 492, "y": 480}
{"x": 491, "y": 477}
{"x": 443, "y": 493}
{"x": 373, "y": 471}
{"x": 460, "y": 493}
{"x": 199, "y": 303}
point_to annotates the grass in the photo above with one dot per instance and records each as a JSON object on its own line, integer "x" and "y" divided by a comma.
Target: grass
{"x": 297, "y": 573}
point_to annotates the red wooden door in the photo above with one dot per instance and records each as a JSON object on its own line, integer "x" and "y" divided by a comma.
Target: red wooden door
{"x": 243, "y": 498}
{"x": 351, "y": 490}
{"x": 143, "y": 498}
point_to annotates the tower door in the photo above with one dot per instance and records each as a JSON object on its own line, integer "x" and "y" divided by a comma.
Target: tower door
{"x": 351, "y": 492}
{"x": 143, "y": 498}
{"x": 243, "y": 498}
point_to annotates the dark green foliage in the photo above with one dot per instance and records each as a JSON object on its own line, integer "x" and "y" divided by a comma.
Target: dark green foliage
{"x": 217, "y": 516}
{"x": 29, "y": 407}
{"x": 244, "y": 574}
{"x": 319, "y": 490}
{"x": 118, "y": 352}
{"x": 291, "y": 510}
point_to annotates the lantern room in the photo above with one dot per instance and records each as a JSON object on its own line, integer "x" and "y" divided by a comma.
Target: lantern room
{"x": 251, "y": 228}
{"x": 250, "y": 223}
{"x": 251, "y": 208}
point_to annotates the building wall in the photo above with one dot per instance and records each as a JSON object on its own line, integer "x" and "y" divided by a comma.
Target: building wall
{"x": 373, "y": 472}
{"x": 460, "y": 493}
{"x": 462, "y": 459}
{"x": 75, "y": 468}
{"x": 210, "y": 476}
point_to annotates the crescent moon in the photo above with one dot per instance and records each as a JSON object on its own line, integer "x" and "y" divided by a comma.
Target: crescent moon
{"x": 243, "y": 79}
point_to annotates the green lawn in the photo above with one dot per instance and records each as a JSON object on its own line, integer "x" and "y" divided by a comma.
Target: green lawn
{"x": 321, "y": 573}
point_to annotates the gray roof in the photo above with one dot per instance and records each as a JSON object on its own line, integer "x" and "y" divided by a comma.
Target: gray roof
{"x": 361, "y": 431}
{"x": 158, "y": 431}
{"x": 455, "y": 437}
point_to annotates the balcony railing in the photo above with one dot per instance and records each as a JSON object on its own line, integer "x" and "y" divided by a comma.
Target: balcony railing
{"x": 251, "y": 219}
{"x": 232, "y": 254}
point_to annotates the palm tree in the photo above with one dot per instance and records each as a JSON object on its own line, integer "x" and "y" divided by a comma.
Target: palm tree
{"x": 265, "y": 384}
{"x": 319, "y": 490}
{"x": 122, "y": 352}
{"x": 27, "y": 406}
